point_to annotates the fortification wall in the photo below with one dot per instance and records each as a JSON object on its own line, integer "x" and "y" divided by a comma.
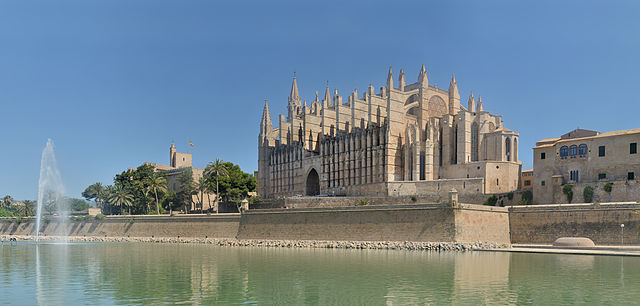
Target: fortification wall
{"x": 142, "y": 226}
{"x": 542, "y": 224}
{"x": 378, "y": 223}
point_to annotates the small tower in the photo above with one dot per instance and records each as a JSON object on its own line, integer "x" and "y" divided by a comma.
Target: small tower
{"x": 326, "y": 102}
{"x": 294, "y": 101}
{"x": 454, "y": 96}
{"x": 389, "y": 80}
{"x": 401, "y": 80}
{"x": 472, "y": 103}
{"x": 422, "y": 77}
{"x": 172, "y": 155}
{"x": 479, "y": 108}
{"x": 266, "y": 126}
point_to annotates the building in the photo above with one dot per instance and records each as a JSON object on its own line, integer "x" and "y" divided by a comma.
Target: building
{"x": 584, "y": 158}
{"x": 178, "y": 163}
{"x": 405, "y": 139}
{"x": 526, "y": 180}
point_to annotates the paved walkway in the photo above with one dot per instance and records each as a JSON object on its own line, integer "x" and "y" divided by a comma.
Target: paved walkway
{"x": 609, "y": 250}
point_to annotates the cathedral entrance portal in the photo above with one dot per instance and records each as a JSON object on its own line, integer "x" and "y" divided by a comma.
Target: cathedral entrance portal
{"x": 313, "y": 183}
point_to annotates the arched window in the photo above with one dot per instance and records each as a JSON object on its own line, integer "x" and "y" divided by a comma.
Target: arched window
{"x": 564, "y": 151}
{"x": 573, "y": 150}
{"x": 474, "y": 141}
{"x": 515, "y": 149}
{"x": 582, "y": 149}
{"x": 507, "y": 149}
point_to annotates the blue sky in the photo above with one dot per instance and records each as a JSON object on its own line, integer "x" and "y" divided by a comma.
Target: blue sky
{"x": 114, "y": 82}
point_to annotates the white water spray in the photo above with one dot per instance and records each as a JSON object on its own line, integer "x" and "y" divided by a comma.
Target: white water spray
{"x": 50, "y": 187}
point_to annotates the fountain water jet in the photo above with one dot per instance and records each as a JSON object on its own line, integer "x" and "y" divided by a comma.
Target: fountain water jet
{"x": 50, "y": 187}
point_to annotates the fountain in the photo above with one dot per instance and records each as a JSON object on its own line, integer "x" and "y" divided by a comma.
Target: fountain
{"x": 50, "y": 187}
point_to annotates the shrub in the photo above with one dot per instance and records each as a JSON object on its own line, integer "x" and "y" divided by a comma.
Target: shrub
{"x": 527, "y": 197}
{"x": 131, "y": 221}
{"x": 414, "y": 199}
{"x": 363, "y": 202}
{"x": 608, "y": 187}
{"x": 567, "y": 190}
{"x": 491, "y": 200}
{"x": 510, "y": 196}
{"x": 99, "y": 217}
{"x": 46, "y": 219}
{"x": 588, "y": 194}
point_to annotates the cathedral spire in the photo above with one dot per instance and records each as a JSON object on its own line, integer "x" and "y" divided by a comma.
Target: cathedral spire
{"x": 294, "y": 101}
{"x": 265, "y": 123}
{"x": 326, "y": 102}
{"x": 422, "y": 77}
{"x": 453, "y": 87}
{"x": 401, "y": 81}
{"x": 479, "y": 108}
{"x": 472, "y": 103}
{"x": 390, "y": 79}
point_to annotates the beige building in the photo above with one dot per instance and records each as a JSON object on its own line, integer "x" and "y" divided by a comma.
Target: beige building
{"x": 526, "y": 180}
{"x": 404, "y": 139}
{"x": 178, "y": 163}
{"x": 583, "y": 158}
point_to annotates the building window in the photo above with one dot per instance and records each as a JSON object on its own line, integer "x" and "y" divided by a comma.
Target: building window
{"x": 582, "y": 150}
{"x": 573, "y": 150}
{"x": 573, "y": 175}
{"x": 630, "y": 176}
{"x": 602, "y": 176}
{"x": 542, "y": 183}
{"x": 601, "y": 151}
{"x": 564, "y": 151}
{"x": 527, "y": 183}
{"x": 497, "y": 182}
{"x": 474, "y": 142}
{"x": 543, "y": 155}
{"x": 633, "y": 148}
{"x": 507, "y": 145}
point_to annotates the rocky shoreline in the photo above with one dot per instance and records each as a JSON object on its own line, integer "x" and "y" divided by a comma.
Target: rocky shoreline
{"x": 378, "y": 245}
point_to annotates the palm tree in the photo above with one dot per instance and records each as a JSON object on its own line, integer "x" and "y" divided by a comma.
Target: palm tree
{"x": 218, "y": 169}
{"x": 121, "y": 197}
{"x": 29, "y": 207}
{"x": 7, "y": 200}
{"x": 201, "y": 187}
{"x": 156, "y": 184}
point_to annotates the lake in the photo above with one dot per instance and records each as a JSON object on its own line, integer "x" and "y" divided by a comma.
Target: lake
{"x": 147, "y": 273}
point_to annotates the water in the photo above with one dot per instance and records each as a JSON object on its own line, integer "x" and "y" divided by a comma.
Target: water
{"x": 144, "y": 273}
{"x": 50, "y": 187}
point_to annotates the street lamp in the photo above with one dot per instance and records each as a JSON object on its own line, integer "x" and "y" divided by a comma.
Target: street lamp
{"x": 622, "y": 233}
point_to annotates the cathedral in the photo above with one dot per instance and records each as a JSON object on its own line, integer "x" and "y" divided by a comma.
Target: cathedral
{"x": 403, "y": 140}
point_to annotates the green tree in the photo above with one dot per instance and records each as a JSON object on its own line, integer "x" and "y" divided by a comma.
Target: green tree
{"x": 187, "y": 189}
{"x": 587, "y": 193}
{"x": 78, "y": 204}
{"x": 201, "y": 187}
{"x": 6, "y": 201}
{"x": 567, "y": 190}
{"x": 214, "y": 171}
{"x": 29, "y": 207}
{"x": 121, "y": 197}
{"x": 234, "y": 185}
{"x": 157, "y": 184}
{"x": 608, "y": 187}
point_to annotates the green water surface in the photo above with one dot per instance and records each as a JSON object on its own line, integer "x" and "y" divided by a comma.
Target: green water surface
{"x": 146, "y": 273}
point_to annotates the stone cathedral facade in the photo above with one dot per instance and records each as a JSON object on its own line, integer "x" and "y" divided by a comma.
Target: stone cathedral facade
{"x": 404, "y": 139}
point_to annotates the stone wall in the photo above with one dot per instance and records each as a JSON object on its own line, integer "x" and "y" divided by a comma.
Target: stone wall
{"x": 379, "y": 223}
{"x": 542, "y": 224}
{"x": 220, "y": 226}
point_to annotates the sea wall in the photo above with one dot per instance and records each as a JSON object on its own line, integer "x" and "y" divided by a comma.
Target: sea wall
{"x": 543, "y": 224}
{"x": 378, "y": 223}
{"x": 214, "y": 226}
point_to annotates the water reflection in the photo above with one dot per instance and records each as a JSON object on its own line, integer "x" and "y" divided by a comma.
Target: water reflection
{"x": 200, "y": 274}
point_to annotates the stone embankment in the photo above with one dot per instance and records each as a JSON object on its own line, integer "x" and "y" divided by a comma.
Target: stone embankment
{"x": 380, "y": 245}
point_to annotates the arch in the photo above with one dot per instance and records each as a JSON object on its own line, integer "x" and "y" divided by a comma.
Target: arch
{"x": 573, "y": 150}
{"x": 437, "y": 107}
{"x": 564, "y": 151}
{"x": 474, "y": 142}
{"x": 313, "y": 183}
{"x": 412, "y": 99}
{"x": 582, "y": 149}
{"x": 507, "y": 149}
